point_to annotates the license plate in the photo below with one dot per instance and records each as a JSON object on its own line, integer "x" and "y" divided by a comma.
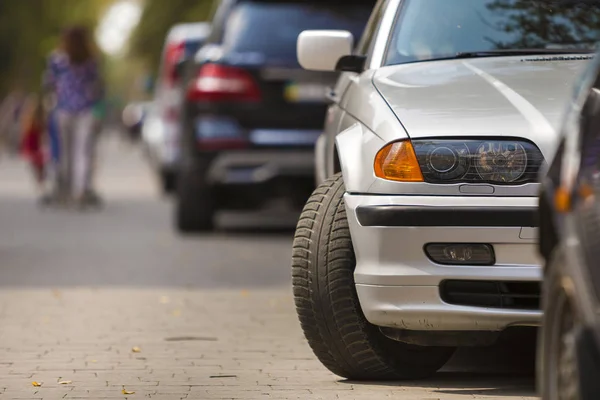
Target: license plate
{"x": 270, "y": 137}
{"x": 305, "y": 92}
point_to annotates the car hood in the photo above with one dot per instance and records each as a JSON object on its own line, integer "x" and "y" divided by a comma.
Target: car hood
{"x": 494, "y": 96}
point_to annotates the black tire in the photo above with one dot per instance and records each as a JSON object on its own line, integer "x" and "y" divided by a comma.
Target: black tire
{"x": 195, "y": 206}
{"x": 168, "y": 182}
{"x": 557, "y": 357}
{"x": 327, "y": 303}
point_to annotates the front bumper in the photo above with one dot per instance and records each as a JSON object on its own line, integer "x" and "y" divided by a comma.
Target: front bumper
{"x": 253, "y": 178}
{"x": 400, "y": 287}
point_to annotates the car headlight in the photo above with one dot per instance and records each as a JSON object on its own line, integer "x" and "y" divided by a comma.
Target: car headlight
{"x": 502, "y": 161}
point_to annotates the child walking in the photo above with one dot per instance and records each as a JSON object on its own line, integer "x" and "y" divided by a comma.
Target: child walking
{"x": 32, "y": 141}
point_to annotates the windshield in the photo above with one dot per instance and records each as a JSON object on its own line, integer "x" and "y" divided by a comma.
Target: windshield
{"x": 272, "y": 29}
{"x": 437, "y": 29}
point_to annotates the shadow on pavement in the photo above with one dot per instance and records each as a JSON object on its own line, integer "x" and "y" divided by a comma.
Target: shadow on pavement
{"x": 505, "y": 369}
{"x": 469, "y": 384}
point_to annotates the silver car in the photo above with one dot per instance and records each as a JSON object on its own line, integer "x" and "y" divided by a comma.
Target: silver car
{"x": 161, "y": 129}
{"x": 421, "y": 238}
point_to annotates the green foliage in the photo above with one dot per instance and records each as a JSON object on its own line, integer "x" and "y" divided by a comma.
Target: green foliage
{"x": 30, "y": 29}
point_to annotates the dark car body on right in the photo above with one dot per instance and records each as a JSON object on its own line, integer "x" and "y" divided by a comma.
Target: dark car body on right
{"x": 251, "y": 114}
{"x": 569, "y": 214}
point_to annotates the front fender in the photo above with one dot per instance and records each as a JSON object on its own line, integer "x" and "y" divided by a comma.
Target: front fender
{"x": 320, "y": 157}
{"x": 357, "y": 147}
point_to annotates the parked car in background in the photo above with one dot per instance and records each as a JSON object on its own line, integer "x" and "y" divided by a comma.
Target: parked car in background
{"x": 423, "y": 236}
{"x": 162, "y": 140}
{"x": 251, "y": 114}
{"x": 569, "y": 213}
{"x": 133, "y": 117}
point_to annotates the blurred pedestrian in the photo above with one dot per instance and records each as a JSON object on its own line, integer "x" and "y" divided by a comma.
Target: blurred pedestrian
{"x": 73, "y": 75}
{"x": 53, "y": 129}
{"x": 32, "y": 139}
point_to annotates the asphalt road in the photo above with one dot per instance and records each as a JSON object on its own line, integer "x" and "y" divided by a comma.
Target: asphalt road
{"x": 128, "y": 254}
{"x": 131, "y": 242}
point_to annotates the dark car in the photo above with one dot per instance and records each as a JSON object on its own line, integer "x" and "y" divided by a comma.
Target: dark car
{"x": 569, "y": 214}
{"x": 251, "y": 114}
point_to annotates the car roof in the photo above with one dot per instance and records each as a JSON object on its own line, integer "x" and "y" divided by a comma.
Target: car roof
{"x": 189, "y": 31}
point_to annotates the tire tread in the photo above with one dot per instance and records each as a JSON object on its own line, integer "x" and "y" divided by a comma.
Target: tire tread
{"x": 327, "y": 303}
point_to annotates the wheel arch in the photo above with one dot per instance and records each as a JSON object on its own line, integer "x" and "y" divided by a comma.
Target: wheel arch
{"x": 355, "y": 149}
{"x": 337, "y": 167}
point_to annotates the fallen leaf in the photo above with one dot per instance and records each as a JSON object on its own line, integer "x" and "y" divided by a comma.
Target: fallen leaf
{"x": 65, "y": 382}
{"x": 93, "y": 361}
{"x": 36, "y": 384}
{"x": 127, "y": 392}
{"x": 176, "y": 313}
{"x": 245, "y": 293}
{"x": 164, "y": 300}
{"x": 56, "y": 293}
{"x": 136, "y": 350}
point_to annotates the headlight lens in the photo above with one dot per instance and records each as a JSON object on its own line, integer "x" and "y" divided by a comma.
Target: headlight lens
{"x": 448, "y": 161}
{"x": 501, "y": 161}
{"x": 509, "y": 162}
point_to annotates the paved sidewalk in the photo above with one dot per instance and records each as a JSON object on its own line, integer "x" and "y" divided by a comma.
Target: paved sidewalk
{"x": 192, "y": 345}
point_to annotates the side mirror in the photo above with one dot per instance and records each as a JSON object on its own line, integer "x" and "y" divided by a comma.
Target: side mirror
{"x": 323, "y": 50}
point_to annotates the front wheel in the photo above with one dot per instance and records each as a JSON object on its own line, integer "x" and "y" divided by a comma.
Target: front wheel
{"x": 327, "y": 304}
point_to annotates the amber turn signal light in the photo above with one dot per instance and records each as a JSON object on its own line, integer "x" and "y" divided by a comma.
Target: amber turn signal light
{"x": 562, "y": 200}
{"x": 397, "y": 162}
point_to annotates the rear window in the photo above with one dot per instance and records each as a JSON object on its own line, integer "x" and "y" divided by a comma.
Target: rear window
{"x": 272, "y": 29}
{"x": 192, "y": 46}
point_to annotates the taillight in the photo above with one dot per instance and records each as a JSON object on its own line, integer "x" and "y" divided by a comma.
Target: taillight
{"x": 214, "y": 144}
{"x": 173, "y": 53}
{"x": 216, "y": 82}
